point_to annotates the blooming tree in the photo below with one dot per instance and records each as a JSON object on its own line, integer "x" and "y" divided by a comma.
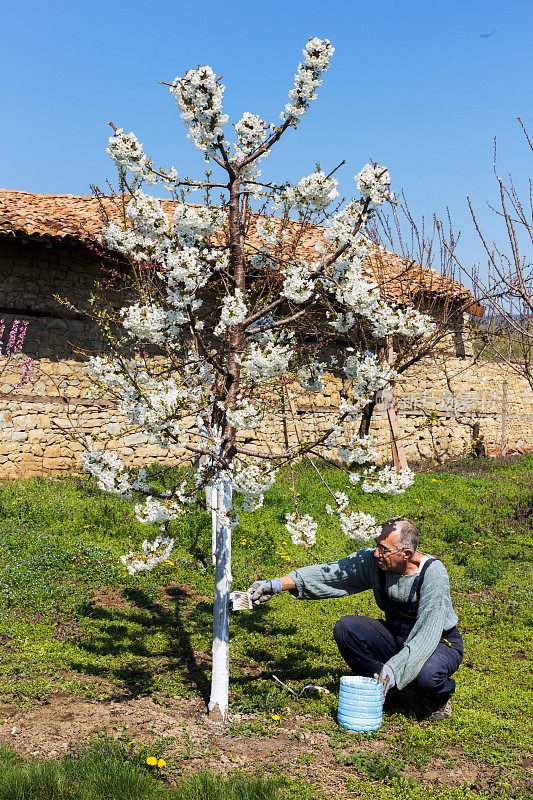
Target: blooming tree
{"x": 11, "y": 355}
{"x": 224, "y": 298}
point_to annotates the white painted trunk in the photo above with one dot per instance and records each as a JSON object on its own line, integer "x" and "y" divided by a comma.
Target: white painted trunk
{"x": 218, "y": 702}
{"x": 211, "y": 500}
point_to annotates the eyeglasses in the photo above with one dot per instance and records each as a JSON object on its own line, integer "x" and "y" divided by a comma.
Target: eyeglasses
{"x": 385, "y": 552}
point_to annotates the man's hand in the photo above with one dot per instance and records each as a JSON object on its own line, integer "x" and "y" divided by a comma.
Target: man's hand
{"x": 262, "y": 591}
{"x": 386, "y": 678}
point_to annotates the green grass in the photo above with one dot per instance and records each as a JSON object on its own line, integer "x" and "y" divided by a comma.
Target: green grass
{"x": 73, "y": 621}
{"x": 106, "y": 771}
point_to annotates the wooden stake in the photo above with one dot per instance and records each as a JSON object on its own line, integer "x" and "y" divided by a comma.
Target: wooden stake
{"x": 398, "y": 452}
{"x": 504, "y": 418}
{"x": 295, "y": 418}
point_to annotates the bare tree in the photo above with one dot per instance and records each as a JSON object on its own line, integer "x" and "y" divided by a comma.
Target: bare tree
{"x": 415, "y": 265}
{"x": 507, "y": 291}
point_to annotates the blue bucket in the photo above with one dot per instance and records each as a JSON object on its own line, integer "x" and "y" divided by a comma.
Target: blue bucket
{"x": 360, "y": 703}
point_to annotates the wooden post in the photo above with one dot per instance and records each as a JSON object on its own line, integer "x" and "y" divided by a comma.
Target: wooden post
{"x": 295, "y": 418}
{"x": 504, "y": 417}
{"x": 398, "y": 452}
{"x": 284, "y": 413}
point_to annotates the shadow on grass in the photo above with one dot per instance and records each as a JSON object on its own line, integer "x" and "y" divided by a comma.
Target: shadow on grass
{"x": 117, "y": 639}
{"x": 138, "y": 666}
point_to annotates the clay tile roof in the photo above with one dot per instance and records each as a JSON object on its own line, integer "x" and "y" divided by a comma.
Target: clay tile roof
{"x": 48, "y": 215}
{"x": 66, "y": 216}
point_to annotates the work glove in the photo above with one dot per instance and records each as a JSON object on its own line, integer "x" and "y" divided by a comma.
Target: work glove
{"x": 386, "y": 679}
{"x": 263, "y": 591}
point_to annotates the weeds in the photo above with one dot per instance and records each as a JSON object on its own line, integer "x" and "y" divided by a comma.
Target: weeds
{"x": 71, "y": 618}
{"x": 375, "y": 767}
{"x": 106, "y": 771}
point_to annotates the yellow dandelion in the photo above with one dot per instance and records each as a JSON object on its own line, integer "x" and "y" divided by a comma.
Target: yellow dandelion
{"x": 130, "y": 743}
{"x": 168, "y": 561}
{"x": 151, "y": 761}
{"x": 161, "y": 763}
{"x": 276, "y": 717}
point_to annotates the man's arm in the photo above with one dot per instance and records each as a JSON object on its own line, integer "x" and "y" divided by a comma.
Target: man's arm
{"x": 320, "y": 581}
{"x": 288, "y": 583}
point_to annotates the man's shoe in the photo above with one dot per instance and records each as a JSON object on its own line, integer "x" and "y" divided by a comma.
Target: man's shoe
{"x": 442, "y": 713}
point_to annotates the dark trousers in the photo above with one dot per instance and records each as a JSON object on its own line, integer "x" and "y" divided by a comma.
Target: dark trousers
{"x": 365, "y": 644}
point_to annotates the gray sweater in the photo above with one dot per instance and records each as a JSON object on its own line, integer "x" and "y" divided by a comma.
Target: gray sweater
{"x": 360, "y": 571}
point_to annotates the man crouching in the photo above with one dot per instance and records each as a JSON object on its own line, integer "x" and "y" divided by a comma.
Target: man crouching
{"x": 418, "y": 640}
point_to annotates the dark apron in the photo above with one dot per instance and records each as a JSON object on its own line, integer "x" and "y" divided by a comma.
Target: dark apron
{"x": 400, "y": 617}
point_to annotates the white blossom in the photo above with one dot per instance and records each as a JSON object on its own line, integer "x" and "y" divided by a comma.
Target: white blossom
{"x": 127, "y": 152}
{"x": 253, "y": 480}
{"x": 387, "y": 480}
{"x": 373, "y": 181}
{"x": 185, "y": 272}
{"x": 108, "y": 371}
{"x": 267, "y": 356}
{"x": 341, "y": 498}
{"x": 316, "y": 190}
{"x": 245, "y": 416}
{"x": 368, "y": 374}
{"x": 298, "y": 285}
{"x": 156, "y": 406}
{"x": 266, "y": 231}
{"x": 357, "y": 525}
{"x": 126, "y": 241}
{"x": 343, "y": 322}
{"x": 317, "y": 55}
{"x": 410, "y": 322}
{"x": 234, "y": 311}
{"x": 199, "y": 98}
{"x": 147, "y": 216}
{"x": 150, "y": 555}
{"x": 110, "y": 472}
{"x": 148, "y": 323}
{"x": 358, "y": 451}
{"x": 302, "y": 530}
{"x": 345, "y": 227}
{"x": 310, "y": 377}
{"x": 157, "y": 511}
{"x": 251, "y": 134}
{"x": 192, "y": 223}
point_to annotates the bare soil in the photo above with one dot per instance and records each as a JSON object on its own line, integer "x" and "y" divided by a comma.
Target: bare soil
{"x": 192, "y": 742}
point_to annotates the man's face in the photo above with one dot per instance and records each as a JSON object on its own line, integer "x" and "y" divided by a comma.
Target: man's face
{"x": 388, "y": 552}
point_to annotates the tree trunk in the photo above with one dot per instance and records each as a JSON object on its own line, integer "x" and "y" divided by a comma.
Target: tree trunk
{"x": 211, "y": 501}
{"x": 218, "y": 702}
{"x": 366, "y": 418}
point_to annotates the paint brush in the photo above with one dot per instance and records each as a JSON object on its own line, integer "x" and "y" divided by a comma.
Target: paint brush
{"x": 240, "y": 601}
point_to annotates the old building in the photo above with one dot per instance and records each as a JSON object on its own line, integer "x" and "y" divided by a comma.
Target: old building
{"x": 45, "y": 256}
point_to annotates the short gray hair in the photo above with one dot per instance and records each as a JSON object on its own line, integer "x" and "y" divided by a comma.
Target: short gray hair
{"x": 408, "y": 533}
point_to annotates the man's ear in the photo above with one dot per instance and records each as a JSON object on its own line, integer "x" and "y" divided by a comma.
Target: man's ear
{"x": 407, "y": 553}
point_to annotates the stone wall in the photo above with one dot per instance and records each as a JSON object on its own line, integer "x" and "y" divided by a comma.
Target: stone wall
{"x": 37, "y": 421}
{"x": 32, "y": 275}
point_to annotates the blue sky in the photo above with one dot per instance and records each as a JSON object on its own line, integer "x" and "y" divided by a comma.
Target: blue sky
{"x": 422, "y": 87}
